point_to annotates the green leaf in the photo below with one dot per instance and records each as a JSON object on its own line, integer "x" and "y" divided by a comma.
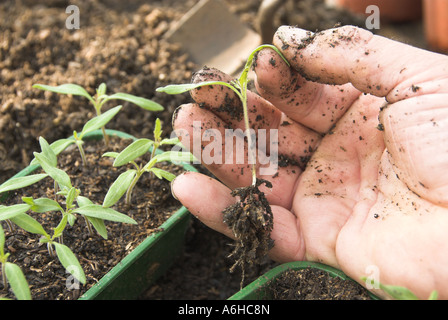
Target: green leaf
{"x": 97, "y": 223}
{"x": 99, "y": 226}
{"x": 141, "y": 102}
{"x": 99, "y": 121}
{"x": 163, "y": 174}
{"x": 97, "y": 211}
{"x": 111, "y": 154}
{"x": 28, "y": 200}
{"x": 157, "y": 130}
{"x": 70, "y": 262}
{"x": 9, "y": 212}
{"x": 68, "y": 88}
{"x": 71, "y": 218}
{"x": 399, "y": 293}
{"x": 175, "y": 157}
{"x": 21, "y": 182}
{"x": 2, "y": 241}
{"x": 171, "y": 141}
{"x": 150, "y": 164}
{"x": 57, "y": 146}
{"x": 60, "y": 227}
{"x": 29, "y": 224}
{"x": 72, "y": 194}
{"x": 83, "y": 201}
{"x": 433, "y": 295}
{"x": 181, "y": 88}
{"x": 101, "y": 90}
{"x": 42, "y": 204}
{"x": 133, "y": 151}
{"x": 17, "y": 281}
{"x": 48, "y": 152}
{"x": 60, "y": 145}
{"x": 60, "y": 176}
{"x": 118, "y": 188}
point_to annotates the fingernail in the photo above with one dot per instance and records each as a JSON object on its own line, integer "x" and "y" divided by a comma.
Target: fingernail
{"x": 174, "y": 117}
{"x": 280, "y": 34}
{"x": 293, "y": 36}
{"x": 171, "y": 187}
{"x": 207, "y": 74}
{"x": 173, "y": 181}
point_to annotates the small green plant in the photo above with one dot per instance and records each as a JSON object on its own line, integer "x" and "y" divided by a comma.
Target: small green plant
{"x": 399, "y": 293}
{"x": 239, "y": 86}
{"x": 98, "y": 101}
{"x": 12, "y": 274}
{"x": 18, "y": 183}
{"x": 74, "y": 203}
{"x": 126, "y": 181}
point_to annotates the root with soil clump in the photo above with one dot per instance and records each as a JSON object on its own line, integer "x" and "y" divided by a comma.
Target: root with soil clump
{"x": 251, "y": 221}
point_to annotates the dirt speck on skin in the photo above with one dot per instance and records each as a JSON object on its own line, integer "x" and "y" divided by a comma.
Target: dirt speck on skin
{"x": 251, "y": 221}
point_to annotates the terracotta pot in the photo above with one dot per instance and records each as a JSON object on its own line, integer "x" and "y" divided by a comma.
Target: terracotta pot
{"x": 436, "y": 24}
{"x": 390, "y": 10}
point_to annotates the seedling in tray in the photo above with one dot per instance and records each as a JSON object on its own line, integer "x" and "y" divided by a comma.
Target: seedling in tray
{"x": 12, "y": 274}
{"x": 98, "y": 101}
{"x": 128, "y": 179}
{"x": 250, "y": 218}
{"x": 74, "y": 203}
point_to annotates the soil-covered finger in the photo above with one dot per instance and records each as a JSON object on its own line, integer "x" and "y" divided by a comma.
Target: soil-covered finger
{"x": 314, "y": 105}
{"x": 371, "y": 63}
{"x": 203, "y": 133}
{"x": 224, "y": 152}
{"x": 208, "y": 200}
{"x": 225, "y": 103}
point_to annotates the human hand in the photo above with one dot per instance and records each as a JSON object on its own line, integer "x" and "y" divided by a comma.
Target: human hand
{"x": 366, "y": 184}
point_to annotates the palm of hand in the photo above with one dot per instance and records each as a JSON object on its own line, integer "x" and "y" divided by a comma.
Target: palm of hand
{"x": 362, "y": 203}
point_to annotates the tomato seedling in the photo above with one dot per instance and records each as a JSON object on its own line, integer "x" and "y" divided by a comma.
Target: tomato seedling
{"x": 94, "y": 214}
{"x": 12, "y": 274}
{"x": 239, "y": 87}
{"x": 250, "y": 218}
{"x": 126, "y": 181}
{"x": 98, "y": 101}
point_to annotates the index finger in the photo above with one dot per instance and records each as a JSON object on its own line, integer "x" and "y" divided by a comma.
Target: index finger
{"x": 371, "y": 63}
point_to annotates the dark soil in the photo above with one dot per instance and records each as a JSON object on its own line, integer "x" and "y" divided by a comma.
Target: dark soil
{"x": 121, "y": 44}
{"x": 152, "y": 204}
{"x": 314, "y": 284}
{"x": 202, "y": 272}
{"x": 118, "y": 43}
